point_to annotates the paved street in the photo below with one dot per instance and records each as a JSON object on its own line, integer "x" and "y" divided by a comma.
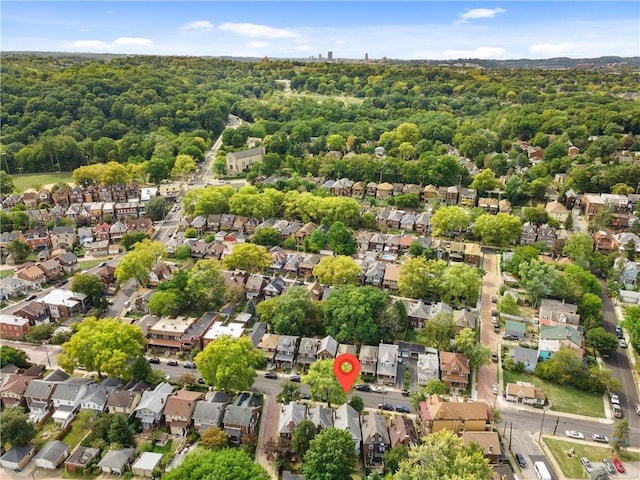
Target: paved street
{"x": 488, "y": 374}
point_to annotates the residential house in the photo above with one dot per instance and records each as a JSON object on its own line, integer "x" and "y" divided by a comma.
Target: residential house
{"x": 515, "y": 329}
{"x": 348, "y": 419}
{"x": 66, "y": 399}
{"x": 372, "y": 189}
{"x": 418, "y": 313}
{"x": 604, "y": 242}
{"x": 51, "y": 268}
{"x": 96, "y": 398}
{"x": 38, "y": 239}
{"x": 305, "y": 232}
{"x": 168, "y": 332}
{"x": 209, "y": 412}
{"x": 554, "y": 312}
{"x": 307, "y": 352}
{"x": 368, "y": 359}
{"x": 13, "y": 286}
{"x": 275, "y": 287}
{"x": 142, "y": 225}
{"x": 557, "y": 211}
{"x": 69, "y": 263}
{"x": 375, "y": 439}
{"x": 454, "y": 370}
{"x": 146, "y": 464}
{"x": 322, "y": 417}
{"x": 429, "y": 193}
{"x": 449, "y": 195}
{"x": 12, "y": 391}
{"x": 467, "y": 197}
{"x": 350, "y": 349}
{"x": 117, "y": 231}
{"x": 358, "y": 189}
{"x": 241, "y": 161}
{"x": 149, "y": 410}
{"x": 116, "y": 462}
{"x": 473, "y": 254}
{"x": 327, "y": 348}
{"x": 286, "y": 351}
{"x": 179, "y": 410}
{"x": 384, "y": 190}
{"x": 123, "y": 401}
{"x": 63, "y": 237}
{"x": 525, "y": 393}
{"x": 428, "y": 366}
{"x": 387, "y": 368}
{"x": 402, "y": 431}
{"x": 254, "y": 286}
{"x": 269, "y": 344}
{"x": 293, "y": 263}
{"x": 489, "y": 443}
{"x": 625, "y": 239}
{"x": 290, "y": 417}
{"x": 106, "y": 275}
{"x": 80, "y": 459}
{"x": 554, "y": 338}
{"x": 241, "y": 417}
{"x": 422, "y": 224}
{"x": 629, "y": 274}
{"x": 30, "y": 200}
{"x": 374, "y": 274}
{"x": 306, "y": 266}
{"x": 258, "y": 330}
{"x": 489, "y": 205}
{"x": 16, "y": 458}
{"x": 102, "y": 231}
{"x": 34, "y": 275}
{"x": 64, "y": 303}
{"x": 13, "y": 327}
{"x": 197, "y": 334}
{"x": 527, "y": 356}
{"x": 592, "y": 203}
{"x": 391, "y": 276}
{"x": 435, "y": 414}
{"x": 52, "y": 455}
{"x": 504, "y": 206}
{"x": 38, "y": 397}
{"x": 529, "y": 234}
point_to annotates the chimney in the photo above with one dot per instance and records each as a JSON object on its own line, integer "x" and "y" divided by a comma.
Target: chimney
{"x": 490, "y": 449}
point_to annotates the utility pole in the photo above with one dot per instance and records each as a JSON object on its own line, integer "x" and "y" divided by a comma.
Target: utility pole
{"x": 556, "y": 426}
{"x": 510, "y": 434}
{"x": 544, "y": 412}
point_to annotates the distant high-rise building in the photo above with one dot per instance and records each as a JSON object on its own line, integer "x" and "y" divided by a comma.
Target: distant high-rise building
{"x": 366, "y": 57}
{"x": 319, "y": 56}
{"x": 330, "y": 55}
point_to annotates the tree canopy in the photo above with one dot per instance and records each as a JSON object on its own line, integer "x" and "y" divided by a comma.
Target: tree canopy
{"x": 331, "y": 454}
{"x": 103, "y": 346}
{"x": 225, "y": 464}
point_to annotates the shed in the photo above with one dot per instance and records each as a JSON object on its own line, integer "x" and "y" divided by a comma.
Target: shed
{"x": 517, "y": 329}
{"x": 16, "y": 458}
{"x": 146, "y": 464}
{"x": 116, "y": 461}
{"x": 52, "y": 455}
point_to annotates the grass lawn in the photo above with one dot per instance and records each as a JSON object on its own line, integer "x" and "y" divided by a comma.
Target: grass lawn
{"x": 7, "y": 273}
{"x": 571, "y": 466}
{"x": 80, "y": 427}
{"x": 563, "y": 398}
{"x": 87, "y": 264}
{"x": 46, "y": 432}
{"x": 22, "y": 182}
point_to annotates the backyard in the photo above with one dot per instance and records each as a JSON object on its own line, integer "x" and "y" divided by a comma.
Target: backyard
{"x": 563, "y": 398}
{"x": 571, "y": 466}
{"x": 80, "y": 427}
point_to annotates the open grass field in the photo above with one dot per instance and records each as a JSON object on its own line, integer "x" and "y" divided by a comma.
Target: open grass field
{"x": 23, "y": 182}
{"x": 571, "y": 466}
{"x": 563, "y": 398}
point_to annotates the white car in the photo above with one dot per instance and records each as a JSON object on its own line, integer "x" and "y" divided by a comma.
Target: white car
{"x": 574, "y": 434}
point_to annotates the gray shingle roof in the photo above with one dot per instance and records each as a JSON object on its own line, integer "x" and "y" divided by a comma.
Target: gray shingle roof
{"x": 52, "y": 451}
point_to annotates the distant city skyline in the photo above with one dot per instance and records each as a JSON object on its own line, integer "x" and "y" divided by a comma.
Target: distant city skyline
{"x": 433, "y": 30}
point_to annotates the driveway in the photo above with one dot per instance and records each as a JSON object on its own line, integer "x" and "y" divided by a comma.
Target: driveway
{"x": 488, "y": 374}
{"x": 268, "y": 430}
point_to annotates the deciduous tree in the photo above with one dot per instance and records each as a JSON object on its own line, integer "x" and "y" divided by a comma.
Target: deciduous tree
{"x": 438, "y": 332}
{"x": 15, "y": 356}
{"x": 468, "y": 345}
{"x": 205, "y": 286}
{"x": 104, "y": 346}
{"x": 293, "y": 313}
{"x": 225, "y": 464}
{"x": 340, "y": 239}
{"x": 536, "y": 278}
{"x": 290, "y": 392}
{"x": 579, "y": 247}
{"x": 331, "y": 455}
{"x": 337, "y": 271}
{"x": 304, "y": 432}
{"x": 156, "y": 208}
{"x": 449, "y": 220}
{"x": 213, "y": 439}
{"x": 502, "y": 229}
{"x": 323, "y": 385}
{"x": 460, "y": 284}
{"x": 121, "y": 431}
{"x": 249, "y": 258}
{"x": 16, "y": 427}
{"x": 138, "y": 262}
{"x": 601, "y": 340}
{"x": 130, "y": 239}
{"x": 89, "y": 284}
{"x": 267, "y": 237}
{"x": 420, "y": 278}
{"x": 229, "y": 364}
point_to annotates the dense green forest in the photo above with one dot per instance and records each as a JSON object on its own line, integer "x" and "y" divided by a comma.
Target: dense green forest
{"x": 60, "y": 113}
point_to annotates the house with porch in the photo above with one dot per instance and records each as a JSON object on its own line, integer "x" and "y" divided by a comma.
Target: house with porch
{"x": 241, "y": 417}
{"x": 346, "y": 418}
{"x": 151, "y": 407}
{"x": 454, "y": 370}
{"x": 525, "y": 393}
{"x": 67, "y": 398}
{"x": 179, "y": 409}
{"x": 375, "y": 440}
{"x": 436, "y": 414}
{"x": 291, "y": 415}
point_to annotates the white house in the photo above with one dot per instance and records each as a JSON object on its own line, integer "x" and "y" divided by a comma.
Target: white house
{"x": 428, "y": 366}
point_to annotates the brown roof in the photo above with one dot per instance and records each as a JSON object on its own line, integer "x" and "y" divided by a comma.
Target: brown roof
{"x": 392, "y": 272}
{"x": 525, "y": 391}
{"x": 182, "y": 404}
{"x": 454, "y": 361}
{"x": 441, "y": 410}
{"x": 401, "y": 430}
{"x": 488, "y": 441}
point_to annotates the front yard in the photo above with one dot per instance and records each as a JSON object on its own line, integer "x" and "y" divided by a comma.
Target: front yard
{"x": 563, "y": 398}
{"x": 571, "y": 466}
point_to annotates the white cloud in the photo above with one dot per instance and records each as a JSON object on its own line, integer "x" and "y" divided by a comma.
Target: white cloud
{"x": 256, "y": 44}
{"x": 255, "y": 31}
{"x": 135, "y": 41}
{"x": 121, "y": 43}
{"x": 197, "y": 25}
{"x": 555, "y": 49}
{"x": 474, "y": 13}
{"x": 480, "y": 52}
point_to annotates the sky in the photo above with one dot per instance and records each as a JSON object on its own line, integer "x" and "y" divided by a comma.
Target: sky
{"x": 433, "y": 30}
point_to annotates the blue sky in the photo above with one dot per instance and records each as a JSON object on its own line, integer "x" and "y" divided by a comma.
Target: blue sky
{"x": 399, "y": 29}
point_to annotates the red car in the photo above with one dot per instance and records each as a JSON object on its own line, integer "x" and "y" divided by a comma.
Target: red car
{"x": 618, "y": 464}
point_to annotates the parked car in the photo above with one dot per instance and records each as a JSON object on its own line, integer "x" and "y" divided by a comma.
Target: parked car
{"x": 378, "y": 389}
{"x": 271, "y": 375}
{"x": 622, "y": 343}
{"x": 127, "y": 304}
{"x": 363, "y": 387}
{"x": 294, "y": 378}
{"x": 618, "y": 464}
{"x": 405, "y": 393}
{"x": 305, "y": 396}
{"x": 103, "y": 264}
{"x": 386, "y": 406}
{"x": 402, "y": 409}
{"x": 494, "y": 356}
{"x": 510, "y": 337}
{"x": 619, "y": 332}
{"x": 494, "y": 299}
{"x": 608, "y": 464}
{"x": 155, "y": 360}
{"x": 189, "y": 365}
{"x": 494, "y": 389}
{"x": 574, "y": 434}
{"x": 615, "y": 400}
{"x": 617, "y": 411}
{"x": 636, "y": 407}
{"x": 586, "y": 464}
{"x": 31, "y": 297}
{"x": 521, "y": 461}
{"x": 496, "y": 328}
{"x": 172, "y": 363}
{"x": 598, "y": 437}
{"x": 201, "y": 381}
{"x": 494, "y": 313}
